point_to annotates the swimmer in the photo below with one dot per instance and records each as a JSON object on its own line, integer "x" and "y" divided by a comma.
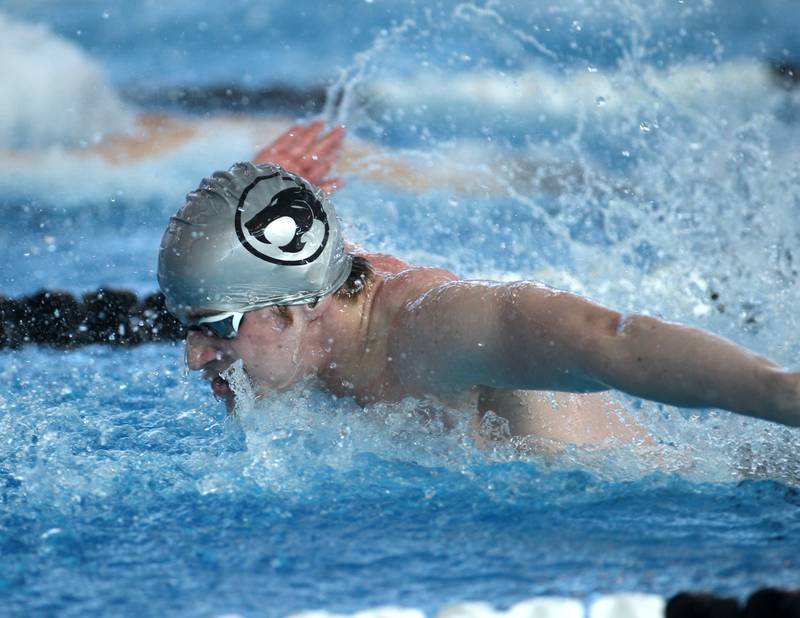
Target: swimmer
{"x": 254, "y": 264}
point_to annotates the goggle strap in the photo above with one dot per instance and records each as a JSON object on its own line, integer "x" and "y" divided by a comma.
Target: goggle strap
{"x": 237, "y": 319}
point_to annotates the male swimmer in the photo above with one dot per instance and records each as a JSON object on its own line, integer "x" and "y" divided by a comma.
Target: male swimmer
{"x": 254, "y": 264}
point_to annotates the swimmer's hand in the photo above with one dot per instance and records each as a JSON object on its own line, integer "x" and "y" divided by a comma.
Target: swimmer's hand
{"x": 308, "y": 152}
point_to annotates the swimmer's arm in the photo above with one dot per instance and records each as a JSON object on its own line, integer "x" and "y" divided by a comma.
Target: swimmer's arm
{"x": 153, "y": 135}
{"x": 527, "y": 336}
{"x": 307, "y": 150}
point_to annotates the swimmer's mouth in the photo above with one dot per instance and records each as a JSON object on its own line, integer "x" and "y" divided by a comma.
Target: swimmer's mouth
{"x": 221, "y": 388}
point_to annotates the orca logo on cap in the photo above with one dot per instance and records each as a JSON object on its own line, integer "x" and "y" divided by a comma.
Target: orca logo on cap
{"x": 291, "y": 229}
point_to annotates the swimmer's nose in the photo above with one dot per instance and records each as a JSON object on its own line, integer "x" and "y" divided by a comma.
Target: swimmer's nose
{"x": 200, "y": 350}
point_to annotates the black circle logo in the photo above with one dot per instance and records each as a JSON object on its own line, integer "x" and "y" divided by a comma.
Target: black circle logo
{"x": 291, "y": 229}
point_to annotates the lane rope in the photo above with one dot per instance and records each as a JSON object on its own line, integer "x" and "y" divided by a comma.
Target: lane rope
{"x": 103, "y": 316}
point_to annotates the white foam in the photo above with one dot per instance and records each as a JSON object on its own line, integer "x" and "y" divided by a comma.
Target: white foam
{"x": 54, "y": 94}
{"x": 628, "y": 606}
{"x": 542, "y": 607}
{"x": 318, "y": 613}
{"x": 738, "y": 84}
{"x": 241, "y": 385}
{"x": 471, "y": 609}
{"x": 390, "y": 612}
{"x": 377, "y": 612}
{"x": 546, "y": 607}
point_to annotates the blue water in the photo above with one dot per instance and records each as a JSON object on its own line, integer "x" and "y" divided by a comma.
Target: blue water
{"x": 125, "y": 490}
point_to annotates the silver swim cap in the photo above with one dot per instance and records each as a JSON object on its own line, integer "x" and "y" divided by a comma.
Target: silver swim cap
{"x": 251, "y": 237}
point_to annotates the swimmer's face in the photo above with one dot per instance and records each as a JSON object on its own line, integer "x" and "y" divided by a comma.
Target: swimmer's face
{"x": 275, "y": 346}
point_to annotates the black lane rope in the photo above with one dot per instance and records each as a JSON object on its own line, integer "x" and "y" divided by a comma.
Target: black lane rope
{"x": 763, "y": 603}
{"x": 103, "y": 316}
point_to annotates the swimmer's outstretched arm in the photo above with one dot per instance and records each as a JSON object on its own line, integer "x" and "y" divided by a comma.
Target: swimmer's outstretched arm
{"x": 311, "y": 152}
{"x": 308, "y": 151}
{"x": 528, "y": 336}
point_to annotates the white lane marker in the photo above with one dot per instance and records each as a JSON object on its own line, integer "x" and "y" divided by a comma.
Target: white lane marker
{"x": 610, "y": 606}
{"x": 473, "y": 609}
{"x": 375, "y": 612}
{"x": 628, "y": 606}
{"x": 547, "y": 607}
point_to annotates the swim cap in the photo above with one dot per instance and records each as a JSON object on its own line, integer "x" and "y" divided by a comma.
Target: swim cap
{"x": 254, "y": 236}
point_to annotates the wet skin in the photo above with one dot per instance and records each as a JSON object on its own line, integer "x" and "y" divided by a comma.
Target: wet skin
{"x": 420, "y": 332}
{"x": 347, "y": 347}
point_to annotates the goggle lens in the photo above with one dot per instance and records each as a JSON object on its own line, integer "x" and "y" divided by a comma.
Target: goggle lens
{"x": 223, "y": 326}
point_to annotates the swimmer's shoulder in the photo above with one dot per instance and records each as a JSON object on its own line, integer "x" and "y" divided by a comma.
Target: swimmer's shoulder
{"x": 401, "y": 282}
{"x": 384, "y": 264}
{"x": 395, "y": 292}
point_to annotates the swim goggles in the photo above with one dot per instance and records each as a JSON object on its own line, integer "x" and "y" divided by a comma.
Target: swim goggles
{"x": 222, "y": 325}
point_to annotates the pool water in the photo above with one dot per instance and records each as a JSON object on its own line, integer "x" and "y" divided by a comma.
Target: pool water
{"x": 648, "y": 157}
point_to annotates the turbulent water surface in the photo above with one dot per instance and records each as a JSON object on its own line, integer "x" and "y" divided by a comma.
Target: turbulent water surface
{"x": 642, "y": 153}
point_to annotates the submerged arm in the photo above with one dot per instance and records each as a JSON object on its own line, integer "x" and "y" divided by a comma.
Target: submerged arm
{"x": 527, "y": 336}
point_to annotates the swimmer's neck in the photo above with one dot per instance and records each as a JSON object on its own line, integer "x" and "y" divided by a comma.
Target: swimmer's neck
{"x": 361, "y": 335}
{"x": 354, "y": 346}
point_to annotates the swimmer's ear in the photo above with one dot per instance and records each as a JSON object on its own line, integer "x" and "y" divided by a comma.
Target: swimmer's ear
{"x": 283, "y": 312}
